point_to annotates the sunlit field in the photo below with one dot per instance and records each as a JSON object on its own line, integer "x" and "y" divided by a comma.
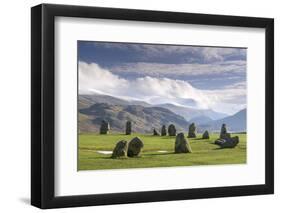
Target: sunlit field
{"x": 94, "y": 152}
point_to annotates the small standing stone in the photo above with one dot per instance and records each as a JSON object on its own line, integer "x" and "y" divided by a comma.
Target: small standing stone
{"x": 227, "y": 142}
{"x": 155, "y": 133}
{"x": 182, "y": 145}
{"x": 120, "y": 149}
{"x": 172, "y": 130}
{"x": 163, "y": 131}
{"x": 128, "y": 128}
{"x": 104, "y": 128}
{"x": 205, "y": 135}
{"x": 134, "y": 148}
{"x": 224, "y": 134}
{"x": 192, "y": 131}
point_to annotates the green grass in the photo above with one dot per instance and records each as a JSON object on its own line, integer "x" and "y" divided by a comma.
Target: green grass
{"x": 204, "y": 152}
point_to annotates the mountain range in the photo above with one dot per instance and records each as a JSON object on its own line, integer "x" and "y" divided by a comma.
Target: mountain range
{"x": 143, "y": 119}
{"x": 190, "y": 113}
{"x": 235, "y": 123}
{"x": 144, "y": 116}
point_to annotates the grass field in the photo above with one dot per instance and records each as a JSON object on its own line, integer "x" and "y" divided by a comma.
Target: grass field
{"x": 91, "y": 157}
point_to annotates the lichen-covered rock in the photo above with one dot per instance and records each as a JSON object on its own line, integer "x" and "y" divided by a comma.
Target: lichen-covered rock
{"x": 192, "y": 131}
{"x": 128, "y": 128}
{"x": 227, "y": 142}
{"x": 172, "y": 130}
{"x": 104, "y": 128}
{"x": 205, "y": 135}
{"x": 224, "y": 134}
{"x": 120, "y": 149}
{"x": 155, "y": 133}
{"x": 163, "y": 131}
{"x": 135, "y": 146}
{"x": 182, "y": 145}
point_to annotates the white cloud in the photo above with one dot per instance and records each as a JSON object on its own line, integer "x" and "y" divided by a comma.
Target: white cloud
{"x": 203, "y": 54}
{"x": 93, "y": 78}
{"x": 158, "y": 69}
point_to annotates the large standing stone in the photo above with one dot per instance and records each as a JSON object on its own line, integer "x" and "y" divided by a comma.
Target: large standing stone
{"x": 219, "y": 141}
{"x": 104, "y": 128}
{"x": 155, "y": 133}
{"x": 227, "y": 142}
{"x": 182, "y": 145}
{"x": 224, "y": 134}
{"x": 135, "y": 147}
{"x": 172, "y": 130}
{"x": 192, "y": 131}
{"x": 120, "y": 149}
{"x": 128, "y": 128}
{"x": 163, "y": 131}
{"x": 205, "y": 135}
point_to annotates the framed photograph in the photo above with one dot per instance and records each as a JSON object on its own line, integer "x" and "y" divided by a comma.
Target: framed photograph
{"x": 136, "y": 106}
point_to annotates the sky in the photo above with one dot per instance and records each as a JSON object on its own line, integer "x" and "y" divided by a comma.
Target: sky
{"x": 191, "y": 76}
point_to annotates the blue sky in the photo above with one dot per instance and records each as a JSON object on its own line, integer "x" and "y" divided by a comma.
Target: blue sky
{"x": 214, "y": 77}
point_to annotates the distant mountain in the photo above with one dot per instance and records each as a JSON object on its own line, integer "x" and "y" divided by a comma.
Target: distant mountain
{"x": 190, "y": 113}
{"x": 94, "y": 108}
{"x": 201, "y": 120}
{"x": 88, "y": 100}
{"x": 234, "y": 123}
{"x": 143, "y": 119}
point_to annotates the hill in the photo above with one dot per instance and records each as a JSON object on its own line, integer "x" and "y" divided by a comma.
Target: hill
{"x": 143, "y": 119}
{"x": 189, "y": 113}
{"x": 201, "y": 120}
{"x": 234, "y": 123}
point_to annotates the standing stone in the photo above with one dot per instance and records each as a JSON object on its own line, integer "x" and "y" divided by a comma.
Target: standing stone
{"x": 172, "y": 130}
{"x": 205, "y": 135}
{"x": 128, "y": 128}
{"x": 224, "y": 134}
{"x": 155, "y": 133}
{"x": 228, "y": 142}
{"x": 120, "y": 149}
{"x": 219, "y": 141}
{"x": 163, "y": 131}
{"x": 104, "y": 128}
{"x": 192, "y": 131}
{"x": 182, "y": 145}
{"x": 135, "y": 147}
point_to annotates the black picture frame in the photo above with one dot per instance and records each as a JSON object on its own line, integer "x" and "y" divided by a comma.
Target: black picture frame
{"x": 43, "y": 102}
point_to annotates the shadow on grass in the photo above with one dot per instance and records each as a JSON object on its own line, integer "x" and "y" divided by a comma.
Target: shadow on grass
{"x": 199, "y": 139}
{"x": 229, "y": 148}
{"x": 166, "y": 153}
{"x": 165, "y": 137}
{"x": 218, "y": 148}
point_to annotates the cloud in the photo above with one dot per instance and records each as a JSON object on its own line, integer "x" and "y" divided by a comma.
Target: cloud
{"x": 192, "y": 69}
{"x": 186, "y": 54}
{"x": 94, "y": 79}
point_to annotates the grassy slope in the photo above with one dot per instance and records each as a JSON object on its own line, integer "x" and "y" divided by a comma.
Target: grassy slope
{"x": 204, "y": 152}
